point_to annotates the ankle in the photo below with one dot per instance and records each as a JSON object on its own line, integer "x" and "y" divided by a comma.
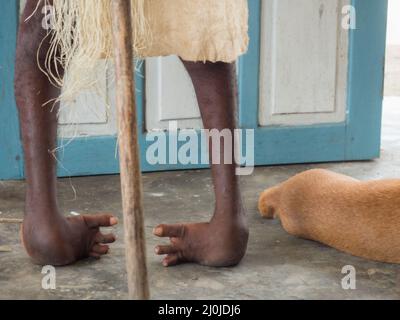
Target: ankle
{"x": 230, "y": 216}
{"x": 40, "y": 208}
{"x": 230, "y": 209}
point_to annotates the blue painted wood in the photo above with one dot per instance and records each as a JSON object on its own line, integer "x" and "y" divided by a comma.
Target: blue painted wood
{"x": 11, "y": 166}
{"x": 249, "y": 71}
{"x": 356, "y": 139}
{"x": 97, "y": 155}
{"x": 366, "y": 78}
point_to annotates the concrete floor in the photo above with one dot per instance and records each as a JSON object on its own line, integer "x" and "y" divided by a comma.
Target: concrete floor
{"x": 277, "y": 265}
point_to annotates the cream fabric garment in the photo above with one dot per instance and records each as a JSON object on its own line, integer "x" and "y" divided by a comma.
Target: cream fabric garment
{"x": 197, "y": 30}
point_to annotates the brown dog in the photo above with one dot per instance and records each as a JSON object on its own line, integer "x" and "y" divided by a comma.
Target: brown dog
{"x": 360, "y": 218}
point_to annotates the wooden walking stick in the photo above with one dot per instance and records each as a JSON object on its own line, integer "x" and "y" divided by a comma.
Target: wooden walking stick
{"x": 131, "y": 182}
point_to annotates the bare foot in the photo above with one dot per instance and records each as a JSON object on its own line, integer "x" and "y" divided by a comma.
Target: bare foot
{"x": 56, "y": 240}
{"x": 219, "y": 243}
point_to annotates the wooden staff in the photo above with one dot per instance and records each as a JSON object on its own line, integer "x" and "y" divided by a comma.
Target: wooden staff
{"x": 131, "y": 182}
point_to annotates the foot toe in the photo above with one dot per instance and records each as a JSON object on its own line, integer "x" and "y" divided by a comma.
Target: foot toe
{"x": 100, "y": 220}
{"x": 105, "y": 238}
{"x": 160, "y": 250}
{"x": 173, "y": 230}
{"x": 100, "y": 249}
{"x": 171, "y": 260}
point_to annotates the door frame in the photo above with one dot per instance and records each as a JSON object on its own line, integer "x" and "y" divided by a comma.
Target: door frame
{"x": 358, "y": 138}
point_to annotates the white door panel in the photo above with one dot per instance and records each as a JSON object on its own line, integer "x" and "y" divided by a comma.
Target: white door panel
{"x": 93, "y": 113}
{"x": 170, "y": 95}
{"x": 304, "y": 62}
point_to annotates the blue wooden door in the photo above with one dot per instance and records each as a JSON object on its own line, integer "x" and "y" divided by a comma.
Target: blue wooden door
{"x": 357, "y": 137}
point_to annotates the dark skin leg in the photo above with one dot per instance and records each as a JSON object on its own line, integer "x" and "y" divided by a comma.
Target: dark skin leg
{"x": 48, "y": 236}
{"x": 222, "y": 241}
{"x": 52, "y": 239}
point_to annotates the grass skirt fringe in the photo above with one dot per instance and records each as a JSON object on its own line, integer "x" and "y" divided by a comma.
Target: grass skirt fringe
{"x": 81, "y": 39}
